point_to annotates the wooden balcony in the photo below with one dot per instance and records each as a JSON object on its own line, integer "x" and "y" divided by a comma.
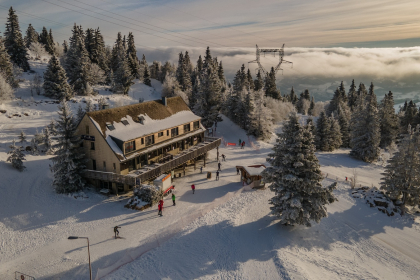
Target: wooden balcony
{"x": 149, "y": 172}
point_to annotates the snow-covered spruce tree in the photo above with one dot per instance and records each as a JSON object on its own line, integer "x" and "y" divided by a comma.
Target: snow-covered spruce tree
{"x": 259, "y": 82}
{"x": 295, "y": 177}
{"x": 99, "y": 53}
{"x": 311, "y": 107}
{"x": 55, "y": 81}
{"x": 46, "y": 40}
{"x": 208, "y": 99}
{"x": 409, "y": 116}
{"x": 31, "y": 36}
{"x": 52, "y": 128}
{"x": 77, "y": 63}
{"x": 260, "y": 119}
{"x": 34, "y": 147}
{"x": 69, "y": 161}
{"x": 344, "y": 122}
{"x": 365, "y": 129}
{"x": 48, "y": 142}
{"x": 80, "y": 114}
{"x": 303, "y": 104}
{"x": 323, "y": 127}
{"x": 400, "y": 179}
{"x": 389, "y": 121}
{"x": 123, "y": 79}
{"x": 6, "y": 91}
{"x": 65, "y": 46}
{"x": 133, "y": 61}
{"x": 270, "y": 85}
{"x": 183, "y": 76}
{"x": 146, "y": 77}
{"x": 352, "y": 96}
{"x": 22, "y": 137}
{"x": 89, "y": 106}
{"x": 16, "y": 157}
{"x": 6, "y": 66}
{"x": 14, "y": 43}
{"x": 334, "y": 134}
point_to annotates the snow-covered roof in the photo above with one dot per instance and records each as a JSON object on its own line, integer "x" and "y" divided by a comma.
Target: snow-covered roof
{"x": 254, "y": 171}
{"x": 132, "y": 129}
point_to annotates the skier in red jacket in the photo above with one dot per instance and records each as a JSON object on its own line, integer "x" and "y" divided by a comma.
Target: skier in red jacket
{"x": 193, "y": 188}
{"x": 160, "y": 207}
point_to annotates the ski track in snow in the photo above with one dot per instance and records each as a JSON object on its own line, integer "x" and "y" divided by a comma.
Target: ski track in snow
{"x": 236, "y": 240}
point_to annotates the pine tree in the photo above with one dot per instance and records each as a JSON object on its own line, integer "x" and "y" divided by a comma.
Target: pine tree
{"x": 352, "y": 96}
{"x": 52, "y": 128}
{"x": 31, "y": 36}
{"x": 400, "y": 179}
{"x": 22, "y": 137}
{"x": 65, "y": 46}
{"x": 199, "y": 64}
{"x": 334, "y": 134}
{"x": 344, "y": 122}
{"x": 295, "y": 177}
{"x": 34, "y": 147}
{"x": 221, "y": 73}
{"x": 311, "y": 107}
{"x": 409, "y": 116}
{"x": 48, "y": 142}
{"x": 77, "y": 63}
{"x": 389, "y": 121}
{"x": 51, "y": 46}
{"x": 303, "y": 104}
{"x": 47, "y": 40}
{"x": 80, "y": 114}
{"x": 6, "y": 66}
{"x": 311, "y": 126}
{"x": 260, "y": 120}
{"x": 323, "y": 127}
{"x": 14, "y": 43}
{"x": 335, "y": 101}
{"x": 69, "y": 162}
{"x": 259, "y": 82}
{"x": 89, "y": 106}
{"x": 122, "y": 77}
{"x": 16, "y": 157}
{"x": 208, "y": 99}
{"x": 270, "y": 85}
{"x": 99, "y": 51}
{"x": 55, "y": 81}
{"x": 133, "y": 63}
{"x": 250, "y": 80}
{"x": 146, "y": 77}
{"x": 365, "y": 130}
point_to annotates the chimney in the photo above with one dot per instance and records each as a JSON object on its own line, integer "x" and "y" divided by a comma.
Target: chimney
{"x": 164, "y": 101}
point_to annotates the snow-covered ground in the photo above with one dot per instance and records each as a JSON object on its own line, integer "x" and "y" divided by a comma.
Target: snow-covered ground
{"x": 235, "y": 240}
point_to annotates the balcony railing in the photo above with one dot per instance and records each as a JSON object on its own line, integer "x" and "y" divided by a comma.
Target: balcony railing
{"x": 152, "y": 171}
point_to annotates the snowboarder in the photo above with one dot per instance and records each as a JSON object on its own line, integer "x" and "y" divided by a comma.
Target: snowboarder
{"x": 160, "y": 207}
{"x": 239, "y": 141}
{"x": 116, "y": 232}
{"x": 217, "y": 175}
{"x": 201, "y": 169}
{"x": 193, "y": 188}
{"x": 219, "y": 165}
{"x": 237, "y": 171}
{"x": 173, "y": 199}
{"x": 223, "y": 157}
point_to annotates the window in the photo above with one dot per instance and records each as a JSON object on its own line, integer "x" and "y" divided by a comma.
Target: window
{"x": 196, "y": 125}
{"x": 104, "y": 166}
{"x": 187, "y": 128}
{"x": 110, "y": 126}
{"x": 115, "y": 167}
{"x": 125, "y": 122}
{"x": 142, "y": 141}
{"x": 174, "y": 132}
{"x": 160, "y": 134}
{"x": 92, "y": 145}
{"x": 87, "y": 130}
{"x": 129, "y": 146}
{"x": 81, "y": 144}
{"x": 167, "y": 132}
{"x": 93, "y": 164}
{"x": 150, "y": 140}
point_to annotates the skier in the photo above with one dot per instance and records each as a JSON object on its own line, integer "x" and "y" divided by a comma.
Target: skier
{"x": 201, "y": 169}
{"x": 217, "y": 175}
{"x": 346, "y": 179}
{"x": 219, "y": 165}
{"x": 116, "y": 232}
{"x": 223, "y": 157}
{"x": 161, "y": 202}
{"x": 160, "y": 207}
{"x": 173, "y": 199}
{"x": 239, "y": 141}
{"x": 193, "y": 188}
{"x": 243, "y": 145}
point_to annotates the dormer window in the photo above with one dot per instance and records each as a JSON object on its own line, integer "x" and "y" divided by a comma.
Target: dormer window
{"x": 125, "y": 122}
{"x": 141, "y": 119}
{"x": 110, "y": 126}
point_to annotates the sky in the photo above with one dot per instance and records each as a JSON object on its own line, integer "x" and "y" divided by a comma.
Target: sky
{"x": 327, "y": 40}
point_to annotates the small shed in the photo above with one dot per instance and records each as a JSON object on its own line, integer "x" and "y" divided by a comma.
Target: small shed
{"x": 251, "y": 175}
{"x": 163, "y": 182}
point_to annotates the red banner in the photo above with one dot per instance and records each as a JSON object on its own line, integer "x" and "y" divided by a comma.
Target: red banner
{"x": 231, "y": 144}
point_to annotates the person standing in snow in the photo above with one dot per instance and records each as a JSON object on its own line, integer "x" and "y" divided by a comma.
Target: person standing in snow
{"x": 217, "y": 175}
{"x": 116, "y": 232}
{"x": 160, "y": 207}
{"x": 239, "y": 141}
{"x": 201, "y": 169}
{"x": 219, "y": 165}
{"x": 173, "y": 199}
{"x": 237, "y": 171}
{"x": 193, "y": 188}
{"x": 223, "y": 157}
{"x": 243, "y": 145}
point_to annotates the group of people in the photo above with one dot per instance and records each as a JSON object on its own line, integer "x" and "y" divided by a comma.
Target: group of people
{"x": 241, "y": 144}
